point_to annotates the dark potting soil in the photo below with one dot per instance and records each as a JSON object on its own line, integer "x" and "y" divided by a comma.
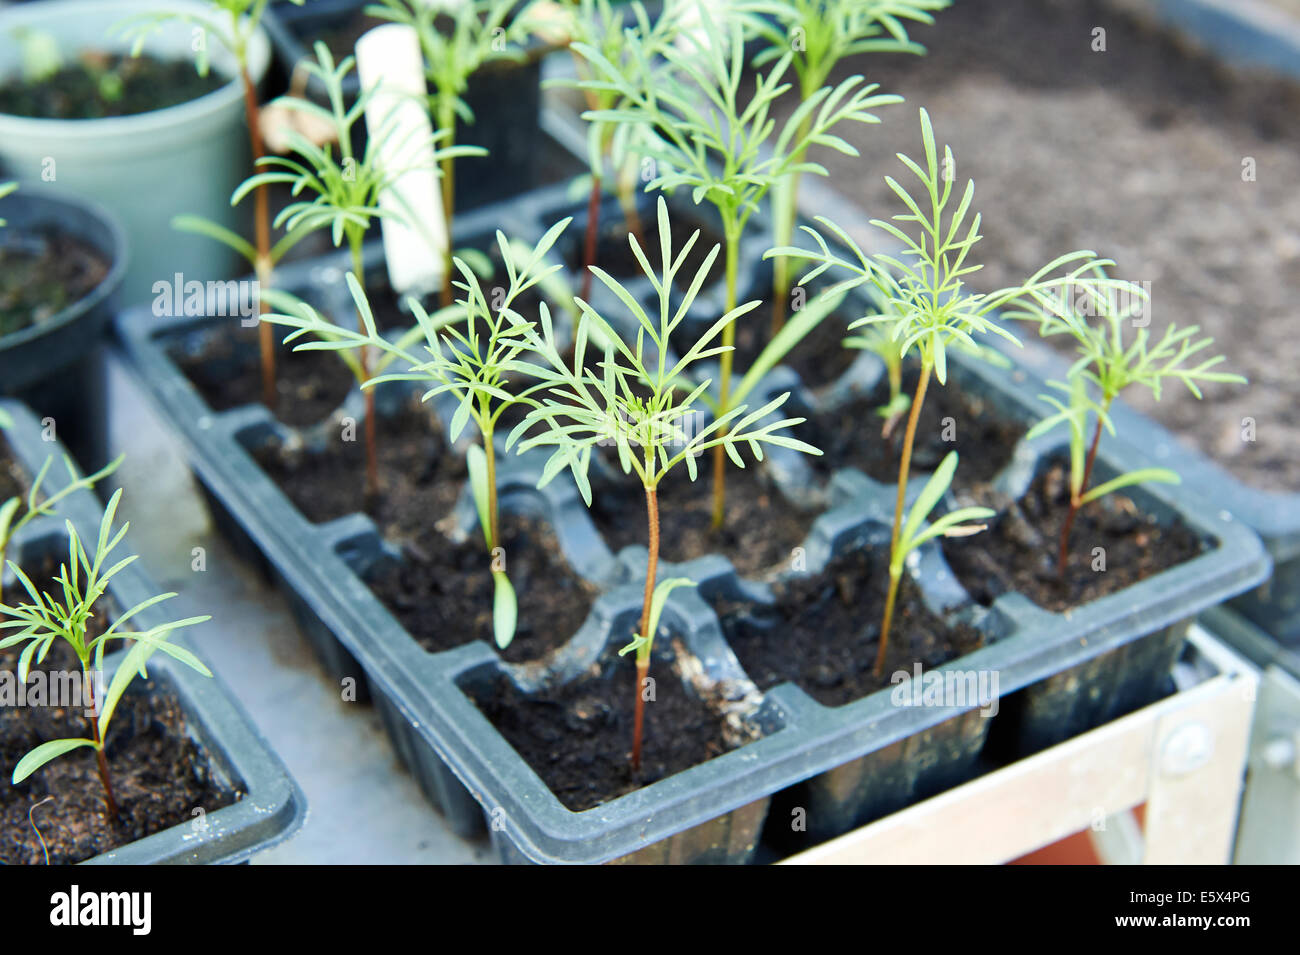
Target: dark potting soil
{"x": 1149, "y": 152}
{"x": 160, "y": 775}
{"x": 951, "y": 419}
{"x": 578, "y": 737}
{"x": 100, "y": 85}
{"x": 419, "y": 480}
{"x": 760, "y": 532}
{"x": 1019, "y": 551}
{"x": 41, "y": 274}
{"x": 442, "y": 591}
{"x": 227, "y": 372}
{"x": 823, "y": 632}
{"x": 13, "y": 479}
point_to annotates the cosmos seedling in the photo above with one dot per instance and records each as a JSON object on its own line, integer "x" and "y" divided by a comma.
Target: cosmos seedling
{"x": 926, "y": 305}
{"x": 472, "y": 353}
{"x": 819, "y": 34}
{"x": 341, "y": 195}
{"x": 477, "y": 32}
{"x": 5, "y": 189}
{"x": 1107, "y": 364}
{"x": 65, "y": 615}
{"x": 724, "y": 149}
{"x": 17, "y": 512}
{"x": 599, "y": 25}
{"x": 233, "y": 23}
{"x": 637, "y": 403}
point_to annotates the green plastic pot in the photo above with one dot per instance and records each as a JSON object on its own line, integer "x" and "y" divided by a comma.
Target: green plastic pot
{"x": 144, "y": 168}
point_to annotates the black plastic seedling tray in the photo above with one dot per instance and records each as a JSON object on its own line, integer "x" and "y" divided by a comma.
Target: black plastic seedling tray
{"x": 272, "y": 807}
{"x": 1059, "y": 674}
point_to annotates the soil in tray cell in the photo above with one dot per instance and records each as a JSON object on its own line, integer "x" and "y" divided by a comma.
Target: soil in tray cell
{"x": 578, "y": 737}
{"x": 823, "y": 632}
{"x": 1113, "y": 545}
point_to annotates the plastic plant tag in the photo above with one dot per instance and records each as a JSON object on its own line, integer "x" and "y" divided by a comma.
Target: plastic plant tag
{"x": 389, "y": 61}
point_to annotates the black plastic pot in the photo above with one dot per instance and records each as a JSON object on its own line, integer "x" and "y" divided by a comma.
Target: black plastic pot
{"x": 1059, "y": 674}
{"x": 273, "y": 807}
{"x": 57, "y": 366}
{"x": 504, "y": 96}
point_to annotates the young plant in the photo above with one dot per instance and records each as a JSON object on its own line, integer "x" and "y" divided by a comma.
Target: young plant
{"x": 340, "y": 195}
{"x": 17, "y": 512}
{"x": 5, "y": 189}
{"x": 457, "y": 40}
{"x": 1108, "y": 364}
{"x": 65, "y": 615}
{"x": 471, "y": 352}
{"x": 599, "y": 25}
{"x": 725, "y": 150}
{"x": 926, "y": 303}
{"x": 233, "y": 23}
{"x": 637, "y": 404}
{"x": 819, "y": 34}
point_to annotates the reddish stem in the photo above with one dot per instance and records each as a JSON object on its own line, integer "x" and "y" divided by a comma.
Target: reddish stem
{"x": 643, "y": 661}
{"x": 262, "y": 235}
{"x": 1076, "y": 502}
{"x": 100, "y": 758}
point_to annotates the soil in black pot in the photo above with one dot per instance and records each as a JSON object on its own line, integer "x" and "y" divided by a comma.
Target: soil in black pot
{"x": 824, "y": 631}
{"x": 41, "y": 274}
{"x": 442, "y": 591}
{"x": 952, "y": 419}
{"x": 578, "y": 737}
{"x": 1019, "y": 551}
{"x": 159, "y": 773}
{"x": 99, "y": 85}
{"x": 760, "y": 532}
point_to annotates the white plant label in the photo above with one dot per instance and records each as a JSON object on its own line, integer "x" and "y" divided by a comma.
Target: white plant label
{"x": 415, "y": 241}
{"x": 692, "y": 34}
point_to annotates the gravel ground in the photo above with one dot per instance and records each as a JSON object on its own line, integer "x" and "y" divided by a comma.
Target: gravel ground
{"x": 1138, "y": 152}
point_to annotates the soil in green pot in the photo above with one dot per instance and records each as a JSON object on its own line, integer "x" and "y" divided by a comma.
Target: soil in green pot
{"x": 824, "y": 630}
{"x": 99, "y": 85}
{"x": 578, "y": 737}
{"x": 1019, "y": 551}
{"x": 41, "y": 274}
{"x": 160, "y": 774}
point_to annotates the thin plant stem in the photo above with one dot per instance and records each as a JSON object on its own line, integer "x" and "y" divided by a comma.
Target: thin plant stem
{"x": 447, "y": 120}
{"x": 100, "y": 758}
{"x": 372, "y": 454}
{"x": 643, "y": 662}
{"x": 1076, "y": 498}
{"x": 262, "y": 232}
{"x": 781, "y": 265}
{"x": 494, "y": 521}
{"x": 904, "y": 467}
{"x": 732, "y": 232}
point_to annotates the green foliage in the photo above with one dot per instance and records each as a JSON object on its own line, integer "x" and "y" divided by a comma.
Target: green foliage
{"x": 1107, "y": 364}
{"x": 6, "y": 188}
{"x": 952, "y": 524}
{"x": 456, "y": 42}
{"x": 232, "y": 23}
{"x": 470, "y": 351}
{"x": 637, "y": 400}
{"x": 65, "y": 613}
{"x": 726, "y": 151}
{"x": 17, "y": 512}
{"x": 643, "y": 644}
